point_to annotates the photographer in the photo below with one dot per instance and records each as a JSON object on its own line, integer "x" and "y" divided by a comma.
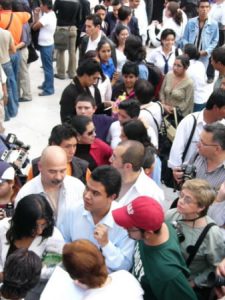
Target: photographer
{"x": 210, "y": 159}
{"x": 7, "y": 189}
{"x": 190, "y": 219}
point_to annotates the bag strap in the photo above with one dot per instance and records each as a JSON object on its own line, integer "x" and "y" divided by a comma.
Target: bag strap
{"x": 10, "y": 21}
{"x": 198, "y": 243}
{"x": 189, "y": 139}
{"x": 154, "y": 119}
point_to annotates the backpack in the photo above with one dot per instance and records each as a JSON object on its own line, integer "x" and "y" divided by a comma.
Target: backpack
{"x": 155, "y": 77}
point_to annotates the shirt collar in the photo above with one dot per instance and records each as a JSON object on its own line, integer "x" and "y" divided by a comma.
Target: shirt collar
{"x": 107, "y": 219}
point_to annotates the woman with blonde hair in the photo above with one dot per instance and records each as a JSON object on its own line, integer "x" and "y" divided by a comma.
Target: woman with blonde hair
{"x": 190, "y": 219}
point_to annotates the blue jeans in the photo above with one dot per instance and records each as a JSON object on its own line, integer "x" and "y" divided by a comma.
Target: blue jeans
{"x": 15, "y": 60}
{"x": 11, "y": 108}
{"x": 47, "y": 63}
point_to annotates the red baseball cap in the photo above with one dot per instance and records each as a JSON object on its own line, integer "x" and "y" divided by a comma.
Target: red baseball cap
{"x": 143, "y": 212}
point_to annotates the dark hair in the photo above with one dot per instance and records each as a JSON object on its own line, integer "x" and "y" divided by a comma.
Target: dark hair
{"x": 60, "y": 133}
{"x": 136, "y": 130}
{"x": 91, "y": 54}
{"x": 218, "y": 55}
{"x": 149, "y": 157}
{"x": 133, "y": 154}
{"x": 184, "y": 61}
{"x": 124, "y": 12}
{"x": 131, "y": 106}
{"x": 134, "y": 50}
{"x": 95, "y": 19}
{"x": 130, "y": 68}
{"x": 28, "y": 210}
{"x": 98, "y": 7}
{"x": 109, "y": 177}
{"x": 88, "y": 67}
{"x": 218, "y": 132}
{"x": 48, "y": 3}
{"x": 85, "y": 98}
{"x": 21, "y": 273}
{"x": 79, "y": 123}
{"x": 85, "y": 262}
{"x": 192, "y": 51}
{"x": 217, "y": 98}
{"x": 200, "y": 1}
{"x": 167, "y": 32}
{"x": 144, "y": 91}
{"x": 118, "y": 29}
{"x": 116, "y": 2}
{"x": 176, "y": 12}
{"x": 103, "y": 42}
{"x": 6, "y": 4}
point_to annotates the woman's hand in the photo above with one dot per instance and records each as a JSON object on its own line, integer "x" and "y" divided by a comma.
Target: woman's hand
{"x": 168, "y": 108}
{"x": 115, "y": 78}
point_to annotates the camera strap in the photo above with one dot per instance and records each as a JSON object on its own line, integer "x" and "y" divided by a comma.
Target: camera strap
{"x": 192, "y": 250}
{"x": 189, "y": 139}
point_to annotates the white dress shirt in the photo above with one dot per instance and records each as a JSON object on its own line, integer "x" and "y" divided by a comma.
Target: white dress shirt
{"x": 70, "y": 192}
{"x": 78, "y": 224}
{"x": 143, "y": 186}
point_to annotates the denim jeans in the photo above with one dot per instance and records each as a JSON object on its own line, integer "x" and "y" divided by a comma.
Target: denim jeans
{"x": 15, "y": 60}
{"x": 11, "y": 108}
{"x": 47, "y": 63}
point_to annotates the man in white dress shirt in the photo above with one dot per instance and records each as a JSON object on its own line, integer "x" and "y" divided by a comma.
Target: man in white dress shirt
{"x": 127, "y": 158}
{"x": 59, "y": 189}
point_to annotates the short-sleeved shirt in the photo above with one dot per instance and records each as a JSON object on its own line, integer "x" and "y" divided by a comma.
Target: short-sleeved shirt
{"x": 5, "y": 43}
{"x": 162, "y": 271}
{"x": 16, "y": 26}
{"x": 46, "y": 35}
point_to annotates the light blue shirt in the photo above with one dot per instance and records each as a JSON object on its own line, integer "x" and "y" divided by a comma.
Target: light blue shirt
{"x": 78, "y": 224}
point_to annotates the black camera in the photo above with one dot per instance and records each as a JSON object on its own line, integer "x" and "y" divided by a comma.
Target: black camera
{"x": 189, "y": 171}
{"x": 179, "y": 231}
{"x": 215, "y": 281}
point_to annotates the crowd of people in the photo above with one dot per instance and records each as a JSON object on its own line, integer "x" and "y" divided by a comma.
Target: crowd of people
{"x": 91, "y": 208}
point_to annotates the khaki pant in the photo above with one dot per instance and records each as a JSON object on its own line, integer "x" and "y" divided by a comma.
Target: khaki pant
{"x": 24, "y": 78}
{"x": 60, "y": 55}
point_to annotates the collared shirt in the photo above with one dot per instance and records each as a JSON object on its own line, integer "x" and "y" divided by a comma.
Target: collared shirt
{"x": 181, "y": 138}
{"x": 71, "y": 191}
{"x": 182, "y": 135}
{"x": 143, "y": 186}
{"x": 157, "y": 55}
{"x": 215, "y": 177}
{"x": 92, "y": 45}
{"x": 78, "y": 224}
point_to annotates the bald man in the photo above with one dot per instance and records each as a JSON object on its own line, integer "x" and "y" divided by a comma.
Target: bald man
{"x": 61, "y": 190}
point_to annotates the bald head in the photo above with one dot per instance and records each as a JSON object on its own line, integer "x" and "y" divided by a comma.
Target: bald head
{"x": 52, "y": 165}
{"x": 53, "y": 154}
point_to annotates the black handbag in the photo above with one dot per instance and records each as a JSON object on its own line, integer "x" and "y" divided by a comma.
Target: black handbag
{"x": 32, "y": 54}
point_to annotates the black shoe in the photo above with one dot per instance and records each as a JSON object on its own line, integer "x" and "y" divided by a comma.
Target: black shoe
{"x": 210, "y": 80}
{"x": 24, "y": 100}
{"x": 59, "y": 77}
{"x": 40, "y": 87}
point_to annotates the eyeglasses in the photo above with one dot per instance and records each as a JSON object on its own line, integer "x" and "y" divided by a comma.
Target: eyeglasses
{"x": 186, "y": 199}
{"x": 135, "y": 229}
{"x": 207, "y": 145}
